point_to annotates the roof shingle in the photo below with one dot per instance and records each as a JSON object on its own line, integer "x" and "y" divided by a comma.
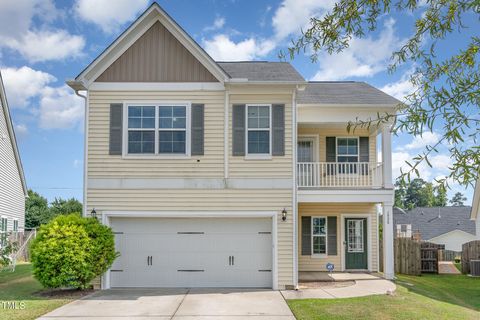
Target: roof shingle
{"x": 261, "y": 71}
{"x": 432, "y": 222}
{"x": 344, "y": 92}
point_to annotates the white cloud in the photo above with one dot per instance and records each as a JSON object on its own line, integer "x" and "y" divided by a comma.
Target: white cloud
{"x": 47, "y": 45}
{"x": 41, "y": 43}
{"x": 364, "y": 57}
{"x": 77, "y": 163}
{"x": 426, "y": 139}
{"x": 222, "y": 48}
{"x": 109, "y": 15}
{"x": 24, "y": 83}
{"x": 58, "y": 107}
{"x": 218, "y": 23}
{"x": 20, "y": 129}
{"x": 287, "y": 20}
{"x": 293, "y": 15}
{"x": 401, "y": 88}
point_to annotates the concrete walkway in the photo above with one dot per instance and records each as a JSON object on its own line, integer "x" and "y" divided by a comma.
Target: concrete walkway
{"x": 185, "y": 304}
{"x": 447, "y": 267}
{"x": 359, "y": 289}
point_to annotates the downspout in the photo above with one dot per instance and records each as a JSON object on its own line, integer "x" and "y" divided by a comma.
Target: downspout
{"x": 294, "y": 186}
{"x": 225, "y": 137}
{"x": 85, "y": 151}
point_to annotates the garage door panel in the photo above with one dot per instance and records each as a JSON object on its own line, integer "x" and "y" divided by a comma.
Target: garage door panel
{"x": 192, "y": 252}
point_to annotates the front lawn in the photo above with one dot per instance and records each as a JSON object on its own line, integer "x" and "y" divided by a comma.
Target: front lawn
{"x": 426, "y": 297}
{"x": 20, "y": 287}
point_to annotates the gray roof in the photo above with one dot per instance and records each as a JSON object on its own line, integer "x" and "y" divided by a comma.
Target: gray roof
{"x": 261, "y": 71}
{"x": 344, "y": 92}
{"x": 432, "y": 222}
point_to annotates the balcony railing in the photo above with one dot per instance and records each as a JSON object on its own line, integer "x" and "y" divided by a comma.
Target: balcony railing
{"x": 339, "y": 174}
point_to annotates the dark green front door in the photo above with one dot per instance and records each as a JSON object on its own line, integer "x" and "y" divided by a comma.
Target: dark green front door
{"x": 356, "y": 243}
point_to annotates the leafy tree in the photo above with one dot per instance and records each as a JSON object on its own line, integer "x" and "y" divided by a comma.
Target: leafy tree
{"x": 70, "y": 251}
{"x": 60, "y": 206}
{"x": 458, "y": 199}
{"x": 419, "y": 193}
{"x": 440, "y": 196}
{"x": 446, "y": 95}
{"x": 36, "y": 210}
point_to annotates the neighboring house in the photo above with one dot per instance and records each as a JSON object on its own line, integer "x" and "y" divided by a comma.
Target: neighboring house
{"x": 450, "y": 226}
{"x": 229, "y": 174}
{"x": 13, "y": 189}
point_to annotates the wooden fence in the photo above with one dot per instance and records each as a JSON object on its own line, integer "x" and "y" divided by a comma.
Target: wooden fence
{"x": 429, "y": 256}
{"x": 470, "y": 251}
{"x": 407, "y": 256}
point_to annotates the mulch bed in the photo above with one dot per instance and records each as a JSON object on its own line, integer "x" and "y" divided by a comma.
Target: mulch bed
{"x": 64, "y": 293}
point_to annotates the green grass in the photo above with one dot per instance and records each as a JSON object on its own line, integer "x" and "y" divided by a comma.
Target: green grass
{"x": 427, "y": 297}
{"x": 458, "y": 266}
{"x": 20, "y": 286}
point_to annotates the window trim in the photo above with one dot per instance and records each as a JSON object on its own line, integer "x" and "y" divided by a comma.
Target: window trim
{"x": 258, "y": 156}
{"x": 15, "y": 224}
{"x": 316, "y": 144}
{"x": 349, "y": 155}
{"x": 156, "y": 154}
{"x": 319, "y": 255}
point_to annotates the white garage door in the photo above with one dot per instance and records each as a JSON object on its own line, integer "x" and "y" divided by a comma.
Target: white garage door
{"x": 187, "y": 252}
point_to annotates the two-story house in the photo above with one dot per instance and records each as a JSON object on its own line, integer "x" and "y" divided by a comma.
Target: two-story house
{"x": 229, "y": 174}
{"x": 13, "y": 188}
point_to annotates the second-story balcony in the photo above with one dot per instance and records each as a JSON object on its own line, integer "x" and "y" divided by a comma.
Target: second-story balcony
{"x": 339, "y": 175}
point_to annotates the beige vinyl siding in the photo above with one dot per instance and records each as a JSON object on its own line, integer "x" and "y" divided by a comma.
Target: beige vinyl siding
{"x": 309, "y": 263}
{"x": 102, "y": 165}
{"x": 12, "y": 198}
{"x": 322, "y": 133}
{"x": 157, "y": 56}
{"x": 208, "y": 201}
{"x": 278, "y": 166}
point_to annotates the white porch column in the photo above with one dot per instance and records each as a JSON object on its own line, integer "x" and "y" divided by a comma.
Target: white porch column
{"x": 387, "y": 156}
{"x": 388, "y": 260}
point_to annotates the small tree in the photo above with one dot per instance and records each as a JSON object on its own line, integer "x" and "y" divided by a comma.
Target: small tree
{"x": 458, "y": 199}
{"x": 71, "y": 251}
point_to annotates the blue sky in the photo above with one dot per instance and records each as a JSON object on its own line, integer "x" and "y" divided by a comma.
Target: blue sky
{"x": 45, "y": 42}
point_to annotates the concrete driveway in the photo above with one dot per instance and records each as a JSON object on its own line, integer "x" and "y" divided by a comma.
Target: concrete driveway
{"x": 183, "y": 304}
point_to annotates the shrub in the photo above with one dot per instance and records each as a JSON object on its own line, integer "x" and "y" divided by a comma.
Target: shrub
{"x": 70, "y": 251}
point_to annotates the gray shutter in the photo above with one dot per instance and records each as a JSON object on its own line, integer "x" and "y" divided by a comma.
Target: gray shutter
{"x": 238, "y": 130}
{"x": 306, "y": 236}
{"x": 197, "y": 130}
{"x": 364, "y": 153}
{"x": 331, "y": 156}
{"x": 364, "y": 149}
{"x": 332, "y": 236}
{"x": 278, "y": 129}
{"x": 116, "y": 123}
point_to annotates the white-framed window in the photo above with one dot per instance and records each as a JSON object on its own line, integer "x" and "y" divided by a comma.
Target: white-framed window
{"x": 3, "y": 231}
{"x": 259, "y": 130}
{"x": 161, "y": 129}
{"x": 355, "y": 235}
{"x": 15, "y": 225}
{"x": 347, "y": 149}
{"x": 319, "y": 235}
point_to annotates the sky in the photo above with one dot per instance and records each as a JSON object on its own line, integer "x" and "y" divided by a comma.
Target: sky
{"x": 44, "y": 42}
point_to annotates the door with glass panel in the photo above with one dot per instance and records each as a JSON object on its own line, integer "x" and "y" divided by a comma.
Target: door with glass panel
{"x": 356, "y": 243}
{"x": 306, "y": 165}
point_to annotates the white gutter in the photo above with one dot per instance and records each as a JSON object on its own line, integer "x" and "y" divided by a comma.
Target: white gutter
{"x": 294, "y": 194}
{"x": 225, "y": 135}
{"x": 85, "y": 151}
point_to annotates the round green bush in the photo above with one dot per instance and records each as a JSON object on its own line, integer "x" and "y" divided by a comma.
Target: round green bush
{"x": 70, "y": 251}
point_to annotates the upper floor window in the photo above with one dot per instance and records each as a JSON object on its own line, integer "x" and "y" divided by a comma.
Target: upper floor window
{"x": 259, "y": 129}
{"x": 347, "y": 149}
{"x": 158, "y": 130}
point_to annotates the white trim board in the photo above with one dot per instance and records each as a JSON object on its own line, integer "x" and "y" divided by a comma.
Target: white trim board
{"x": 107, "y": 215}
{"x": 189, "y": 183}
{"x": 157, "y": 86}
